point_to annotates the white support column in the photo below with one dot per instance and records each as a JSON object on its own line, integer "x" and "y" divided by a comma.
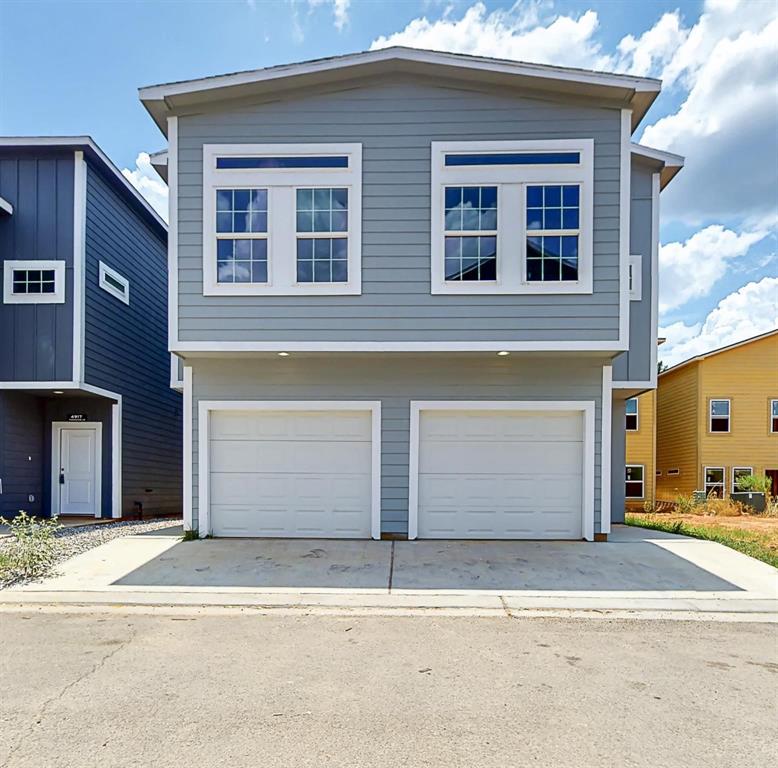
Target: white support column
{"x": 187, "y": 457}
{"x": 605, "y": 449}
{"x": 116, "y": 459}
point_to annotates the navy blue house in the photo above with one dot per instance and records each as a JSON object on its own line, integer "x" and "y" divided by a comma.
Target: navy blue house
{"x": 89, "y": 423}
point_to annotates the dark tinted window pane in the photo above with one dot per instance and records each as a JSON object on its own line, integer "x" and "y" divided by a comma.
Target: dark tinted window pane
{"x": 304, "y": 271}
{"x": 570, "y": 196}
{"x": 632, "y": 422}
{"x": 719, "y": 425}
{"x": 534, "y": 197}
{"x": 634, "y": 490}
{"x": 339, "y": 271}
{"x": 227, "y": 163}
{"x": 515, "y": 158}
{"x": 534, "y": 270}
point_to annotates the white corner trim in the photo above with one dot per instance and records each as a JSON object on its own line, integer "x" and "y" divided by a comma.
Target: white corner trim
{"x": 6, "y": 207}
{"x": 511, "y": 182}
{"x": 58, "y": 297}
{"x": 586, "y": 407}
{"x": 655, "y": 188}
{"x": 281, "y": 236}
{"x": 205, "y": 407}
{"x": 116, "y": 459}
{"x": 106, "y": 274}
{"x": 188, "y": 458}
{"x": 79, "y": 263}
{"x": 172, "y": 236}
{"x": 175, "y": 382}
{"x": 625, "y": 206}
{"x": 606, "y": 457}
{"x": 56, "y": 428}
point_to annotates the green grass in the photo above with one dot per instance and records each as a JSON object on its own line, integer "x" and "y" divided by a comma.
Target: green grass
{"x": 757, "y": 544}
{"x": 5, "y": 566}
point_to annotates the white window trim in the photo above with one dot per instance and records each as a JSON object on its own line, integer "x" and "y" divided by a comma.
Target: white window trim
{"x": 511, "y": 182}
{"x": 673, "y": 472}
{"x": 723, "y": 483}
{"x": 282, "y": 230}
{"x": 737, "y": 469}
{"x": 106, "y": 286}
{"x": 58, "y": 297}
{"x": 711, "y": 417}
{"x": 642, "y": 482}
{"x": 635, "y": 278}
{"x": 637, "y": 416}
{"x": 204, "y": 408}
{"x": 585, "y": 407}
{"x": 770, "y": 417}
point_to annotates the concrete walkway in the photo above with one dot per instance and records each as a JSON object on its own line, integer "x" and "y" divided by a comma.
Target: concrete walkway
{"x": 637, "y": 570}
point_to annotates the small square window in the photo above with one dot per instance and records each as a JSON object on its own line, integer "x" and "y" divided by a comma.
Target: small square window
{"x": 34, "y": 282}
{"x": 114, "y": 283}
{"x": 631, "y": 408}
{"x": 719, "y": 415}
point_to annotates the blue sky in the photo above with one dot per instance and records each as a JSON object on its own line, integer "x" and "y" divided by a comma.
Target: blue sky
{"x": 74, "y": 68}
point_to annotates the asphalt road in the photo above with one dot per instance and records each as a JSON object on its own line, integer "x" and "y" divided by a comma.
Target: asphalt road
{"x": 112, "y": 689}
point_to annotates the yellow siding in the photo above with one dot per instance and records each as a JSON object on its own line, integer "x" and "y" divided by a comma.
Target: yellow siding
{"x": 676, "y": 432}
{"x": 748, "y": 377}
{"x": 641, "y": 447}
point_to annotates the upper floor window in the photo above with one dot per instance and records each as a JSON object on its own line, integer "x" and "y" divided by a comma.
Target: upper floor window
{"x": 719, "y": 415}
{"x": 512, "y": 216}
{"x": 631, "y": 408}
{"x": 114, "y": 283}
{"x": 282, "y": 219}
{"x": 33, "y": 282}
{"x": 774, "y": 415}
{"x": 635, "y": 481}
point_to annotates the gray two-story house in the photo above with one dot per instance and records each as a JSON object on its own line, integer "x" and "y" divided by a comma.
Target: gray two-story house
{"x": 411, "y": 292}
{"x": 89, "y": 425}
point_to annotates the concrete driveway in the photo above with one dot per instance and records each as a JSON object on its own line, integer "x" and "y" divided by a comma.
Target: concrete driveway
{"x": 636, "y": 570}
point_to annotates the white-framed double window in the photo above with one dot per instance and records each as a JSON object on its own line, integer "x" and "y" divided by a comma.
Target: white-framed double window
{"x": 33, "y": 282}
{"x": 631, "y": 415}
{"x": 719, "y": 415}
{"x": 634, "y": 487}
{"x": 114, "y": 283}
{"x": 774, "y": 416}
{"x": 512, "y": 216}
{"x": 282, "y": 219}
{"x": 715, "y": 484}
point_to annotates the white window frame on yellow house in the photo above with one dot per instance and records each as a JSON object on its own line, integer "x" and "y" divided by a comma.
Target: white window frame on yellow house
{"x": 746, "y": 470}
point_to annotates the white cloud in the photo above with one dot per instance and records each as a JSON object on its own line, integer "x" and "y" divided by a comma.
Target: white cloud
{"x": 727, "y": 126}
{"x": 690, "y": 269}
{"x": 522, "y": 33}
{"x": 644, "y": 55}
{"x": 749, "y": 311}
{"x": 340, "y": 10}
{"x": 146, "y": 180}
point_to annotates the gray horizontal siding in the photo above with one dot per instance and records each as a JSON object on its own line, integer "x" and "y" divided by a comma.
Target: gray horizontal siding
{"x": 36, "y": 342}
{"x": 126, "y": 347}
{"x": 635, "y": 364}
{"x": 395, "y": 122}
{"x": 395, "y": 381}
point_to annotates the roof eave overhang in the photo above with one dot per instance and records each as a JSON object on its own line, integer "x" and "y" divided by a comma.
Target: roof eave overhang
{"x": 668, "y": 163}
{"x": 633, "y": 92}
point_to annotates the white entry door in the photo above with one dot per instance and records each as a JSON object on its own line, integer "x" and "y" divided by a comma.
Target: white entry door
{"x": 79, "y": 470}
{"x": 302, "y": 473}
{"x": 500, "y": 474}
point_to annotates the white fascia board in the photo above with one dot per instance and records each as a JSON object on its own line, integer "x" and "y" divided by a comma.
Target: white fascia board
{"x": 660, "y": 155}
{"x": 76, "y": 142}
{"x": 397, "y": 53}
{"x": 6, "y": 207}
{"x": 158, "y": 162}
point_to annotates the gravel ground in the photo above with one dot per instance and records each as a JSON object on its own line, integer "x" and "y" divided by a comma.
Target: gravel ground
{"x": 73, "y": 541}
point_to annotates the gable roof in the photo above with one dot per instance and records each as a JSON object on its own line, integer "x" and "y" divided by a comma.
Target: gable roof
{"x": 93, "y": 152}
{"x": 637, "y": 93}
{"x": 718, "y": 351}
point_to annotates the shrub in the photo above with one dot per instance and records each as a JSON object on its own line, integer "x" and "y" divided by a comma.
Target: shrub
{"x": 753, "y": 484}
{"x": 718, "y": 507}
{"x": 31, "y": 551}
{"x": 684, "y": 505}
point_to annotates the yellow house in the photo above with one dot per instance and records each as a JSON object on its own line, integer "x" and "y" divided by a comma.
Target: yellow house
{"x": 640, "y": 450}
{"x": 716, "y": 419}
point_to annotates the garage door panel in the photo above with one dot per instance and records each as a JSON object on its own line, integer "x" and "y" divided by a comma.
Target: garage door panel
{"x": 287, "y": 456}
{"x": 525, "y": 481}
{"x": 274, "y": 475}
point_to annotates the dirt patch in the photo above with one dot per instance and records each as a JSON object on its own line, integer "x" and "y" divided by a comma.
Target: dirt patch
{"x": 743, "y": 523}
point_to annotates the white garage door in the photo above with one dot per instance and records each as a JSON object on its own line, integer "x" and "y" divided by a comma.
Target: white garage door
{"x": 500, "y": 475}
{"x": 290, "y": 473}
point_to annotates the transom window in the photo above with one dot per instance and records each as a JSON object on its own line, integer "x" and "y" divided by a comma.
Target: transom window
{"x": 631, "y": 408}
{"x": 33, "y": 282}
{"x": 282, "y": 219}
{"x": 719, "y": 415}
{"x": 471, "y": 233}
{"x": 114, "y": 283}
{"x": 512, "y": 216}
{"x": 635, "y": 481}
{"x": 738, "y": 473}
{"x": 322, "y": 257}
{"x": 774, "y": 415}
{"x": 714, "y": 481}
